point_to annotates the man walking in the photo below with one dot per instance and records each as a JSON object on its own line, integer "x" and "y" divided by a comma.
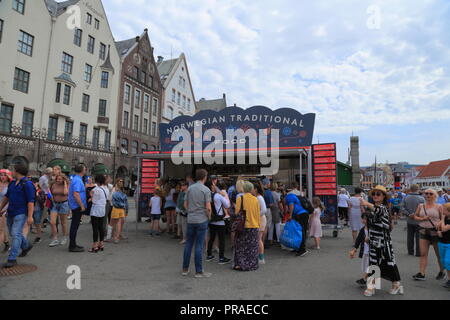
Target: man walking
{"x": 198, "y": 205}
{"x": 78, "y": 204}
{"x": 20, "y": 200}
{"x": 408, "y": 208}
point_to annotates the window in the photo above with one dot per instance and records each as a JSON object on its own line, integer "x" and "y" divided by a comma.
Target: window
{"x": 105, "y": 77}
{"x": 102, "y": 108}
{"x": 107, "y": 144}
{"x": 144, "y": 147}
{"x": 136, "y": 123}
{"x": 125, "y": 119}
{"x": 180, "y": 81}
{"x": 136, "y": 73}
{"x": 52, "y": 128}
{"x": 174, "y": 94}
{"x": 97, "y": 24}
{"x": 189, "y": 104}
{"x": 78, "y": 37}
{"x": 184, "y": 83}
{"x": 137, "y": 99}
{"x": 102, "y": 51}
{"x": 134, "y": 147}
{"x": 170, "y": 113}
{"x": 58, "y": 93}
{"x": 144, "y": 77}
{"x": 179, "y": 99}
{"x": 25, "y": 44}
{"x": 146, "y": 102}
{"x": 6, "y": 114}
{"x": 89, "y": 18}
{"x": 85, "y": 102}
{"x": 91, "y": 45}
{"x": 67, "y": 62}
{"x": 155, "y": 107}
{"x": 21, "y": 80}
{"x": 66, "y": 96}
{"x": 127, "y": 93}
{"x": 19, "y": 6}
{"x": 145, "y": 129}
{"x": 96, "y": 138}
{"x": 83, "y": 134}
{"x": 27, "y": 123}
{"x": 124, "y": 144}
{"x": 88, "y": 73}
{"x": 68, "y": 132}
{"x": 150, "y": 82}
{"x": 184, "y": 101}
{"x": 154, "y": 129}
{"x": 1, "y": 30}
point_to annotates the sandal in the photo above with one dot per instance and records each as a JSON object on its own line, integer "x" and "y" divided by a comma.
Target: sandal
{"x": 369, "y": 292}
{"x": 237, "y": 268}
{"x": 93, "y": 250}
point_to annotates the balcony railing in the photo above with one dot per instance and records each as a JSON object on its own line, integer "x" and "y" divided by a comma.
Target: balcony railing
{"x": 42, "y": 134}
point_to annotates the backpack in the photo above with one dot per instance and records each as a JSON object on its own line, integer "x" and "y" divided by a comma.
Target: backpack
{"x": 214, "y": 214}
{"x": 306, "y": 204}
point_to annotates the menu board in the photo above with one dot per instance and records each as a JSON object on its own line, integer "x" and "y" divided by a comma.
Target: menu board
{"x": 150, "y": 172}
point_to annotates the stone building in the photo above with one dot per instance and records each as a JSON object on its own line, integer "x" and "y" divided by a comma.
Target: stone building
{"x": 214, "y": 104}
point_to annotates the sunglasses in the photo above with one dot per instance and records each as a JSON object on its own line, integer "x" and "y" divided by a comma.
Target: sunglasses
{"x": 378, "y": 194}
{"x": 429, "y": 194}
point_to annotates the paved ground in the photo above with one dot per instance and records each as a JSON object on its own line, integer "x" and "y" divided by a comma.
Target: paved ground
{"x": 147, "y": 268}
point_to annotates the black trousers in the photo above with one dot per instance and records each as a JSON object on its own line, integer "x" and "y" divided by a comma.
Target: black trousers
{"x": 220, "y": 231}
{"x": 303, "y": 219}
{"x": 413, "y": 236}
{"x": 76, "y": 219}
{"x": 98, "y": 228}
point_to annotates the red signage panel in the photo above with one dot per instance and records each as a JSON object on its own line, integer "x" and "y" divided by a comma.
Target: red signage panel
{"x": 325, "y": 179}
{"x": 325, "y": 154}
{"x": 324, "y": 160}
{"x": 318, "y": 147}
{"x": 326, "y": 192}
{"x": 331, "y": 166}
{"x": 325, "y": 186}
{"x": 325, "y": 173}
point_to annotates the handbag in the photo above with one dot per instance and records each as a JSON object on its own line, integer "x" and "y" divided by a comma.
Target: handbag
{"x": 429, "y": 232}
{"x": 239, "y": 221}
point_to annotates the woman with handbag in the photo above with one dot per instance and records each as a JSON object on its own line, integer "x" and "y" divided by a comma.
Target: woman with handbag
{"x": 429, "y": 214}
{"x": 246, "y": 227}
{"x": 99, "y": 196}
{"x": 59, "y": 191}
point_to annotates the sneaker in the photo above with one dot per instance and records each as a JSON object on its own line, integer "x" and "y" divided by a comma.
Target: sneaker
{"x": 76, "y": 249}
{"x": 302, "y": 253}
{"x": 209, "y": 258}
{"x": 203, "y": 275}
{"x": 361, "y": 282}
{"x": 157, "y": 234}
{"x": 54, "y": 243}
{"x": 224, "y": 260}
{"x": 419, "y": 277}
{"x": 37, "y": 240}
{"x": 184, "y": 273}
{"x": 441, "y": 276}
{"x": 447, "y": 284}
{"x": 10, "y": 264}
{"x": 216, "y": 250}
{"x": 64, "y": 241}
{"x": 262, "y": 261}
{"x": 25, "y": 252}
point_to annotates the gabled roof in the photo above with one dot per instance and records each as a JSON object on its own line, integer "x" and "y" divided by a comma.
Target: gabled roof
{"x": 165, "y": 68}
{"x": 123, "y": 47}
{"x": 216, "y": 105}
{"x": 58, "y": 8}
{"x": 435, "y": 169}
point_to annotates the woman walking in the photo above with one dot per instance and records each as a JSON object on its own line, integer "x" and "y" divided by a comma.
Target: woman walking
{"x": 60, "y": 209}
{"x": 99, "y": 196}
{"x": 430, "y": 215}
{"x": 246, "y": 242}
{"x": 258, "y": 192}
{"x": 381, "y": 253}
{"x": 356, "y": 211}
{"x": 5, "y": 180}
{"x": 119, "y": 210}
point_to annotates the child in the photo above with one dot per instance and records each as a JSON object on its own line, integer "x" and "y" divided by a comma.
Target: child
{"x": 39, "y": 204}
{"x": 362, "y": 241}
{"x": 315, "y": 226}
{"x": 444, "y": 241}
{"x": 155, "y": 210}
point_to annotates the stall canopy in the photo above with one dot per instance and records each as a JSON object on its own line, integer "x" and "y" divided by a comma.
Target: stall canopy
{"x": 99, "y": 168}
{"x": 65, "y": 167}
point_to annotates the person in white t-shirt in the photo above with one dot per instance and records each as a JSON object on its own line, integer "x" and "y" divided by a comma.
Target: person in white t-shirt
{"x": 217, "y": 223}
{"x": 343, "y": 200}
{"x": 155, "y": 211}
{"x": 258, "y": 192}
{"x": 99, "y": 196}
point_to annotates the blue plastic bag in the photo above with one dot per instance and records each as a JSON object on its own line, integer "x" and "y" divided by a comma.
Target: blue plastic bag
{"x": 292, "y": 235}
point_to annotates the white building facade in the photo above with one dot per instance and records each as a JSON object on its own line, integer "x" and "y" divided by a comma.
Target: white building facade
{"x": 178, "y": 96}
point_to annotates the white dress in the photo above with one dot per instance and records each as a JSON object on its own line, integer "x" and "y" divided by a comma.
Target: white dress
{"x": 355, "y": 214}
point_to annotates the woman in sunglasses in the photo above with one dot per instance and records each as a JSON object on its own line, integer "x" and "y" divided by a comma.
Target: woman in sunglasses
{"x": 429, "y": 214}
{"x": 380, "y": 242}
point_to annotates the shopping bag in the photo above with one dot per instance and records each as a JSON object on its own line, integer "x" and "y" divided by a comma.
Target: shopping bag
{"x": 292, "y": 235}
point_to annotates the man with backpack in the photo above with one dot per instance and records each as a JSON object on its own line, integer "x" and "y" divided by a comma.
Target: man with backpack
{"x": 219, "y": 202}
{"x": 20, "y": 199}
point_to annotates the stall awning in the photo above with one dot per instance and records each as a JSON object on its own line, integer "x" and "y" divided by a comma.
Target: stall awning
{"x": 65, "y": 167}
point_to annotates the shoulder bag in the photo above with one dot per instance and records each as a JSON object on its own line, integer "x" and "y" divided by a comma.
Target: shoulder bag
{"x": 239, "y": 221}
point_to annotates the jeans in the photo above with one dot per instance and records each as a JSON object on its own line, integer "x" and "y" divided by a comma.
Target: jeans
{"x": 196, "y": 233}
{"x": 220, "y": 231}
{"x": 76, "y": 219}
{"x": 303, "y": 219}
{"x": 413, "y": 236}
{"x": 15, "y": 227}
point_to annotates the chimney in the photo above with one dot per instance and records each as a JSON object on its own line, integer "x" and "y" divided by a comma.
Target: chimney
{"x": 137, "y": 38}
{"x": 145, "y": 30}
{"x": 224, "y": 96}
{"x": 160, "y": 59}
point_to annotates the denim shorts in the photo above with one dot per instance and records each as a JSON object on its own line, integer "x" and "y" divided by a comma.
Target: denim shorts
{"x": 61, "y": 208}
{"x": 37, "y": 216}
{"x": 156, "y": 217}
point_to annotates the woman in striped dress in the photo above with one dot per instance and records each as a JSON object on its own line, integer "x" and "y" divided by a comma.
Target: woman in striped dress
{"x": 381, "y": 253}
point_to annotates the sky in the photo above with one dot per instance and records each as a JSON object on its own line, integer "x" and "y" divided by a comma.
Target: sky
{"x": 377, "y": 69}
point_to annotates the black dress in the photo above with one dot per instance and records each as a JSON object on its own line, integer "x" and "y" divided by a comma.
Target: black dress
{"x": 381, "y": 252}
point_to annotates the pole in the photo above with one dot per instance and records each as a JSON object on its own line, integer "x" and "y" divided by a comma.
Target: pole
{"x": 301, "y": 171}
{"x": 138, "y": 195}
{"x": 310, "y": 175}
{"x": 375, "y": 180}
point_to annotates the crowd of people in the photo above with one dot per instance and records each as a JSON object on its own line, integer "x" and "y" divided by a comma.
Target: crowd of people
{"x": 207, "y": 214}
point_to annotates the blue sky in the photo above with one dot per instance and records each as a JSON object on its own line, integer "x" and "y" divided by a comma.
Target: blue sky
{"x": 380, "y": 69}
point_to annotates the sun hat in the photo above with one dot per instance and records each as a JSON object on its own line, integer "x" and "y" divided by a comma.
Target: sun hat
{"x": 8, "y": 174}
{"x": 379, "y": 188}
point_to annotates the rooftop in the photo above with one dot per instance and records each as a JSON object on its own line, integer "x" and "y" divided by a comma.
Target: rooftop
{"x": 435, "y": 169}
{"x": 216, "y": 104}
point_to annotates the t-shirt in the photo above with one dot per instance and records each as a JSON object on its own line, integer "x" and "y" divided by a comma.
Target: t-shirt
{"x": 43, "y": 183}
{"x": 396, "y": 202}
{"x": 197, "y": 196}
{"x": 262, "y": 206}
{"x": 19, "y": 196}
{"x": 99, "y": 198}
{"x": 293, "y": 199}
{"x": 155, "y": 204}
{"x": 77, "y": 185}
{"x": 268, "y": 197}
{"x": 343, "y": 198}
{"x": 220, "y": 203}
